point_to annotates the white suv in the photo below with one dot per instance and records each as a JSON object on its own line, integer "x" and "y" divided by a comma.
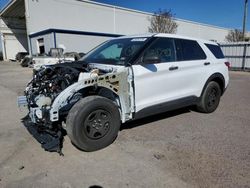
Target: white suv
{"x": 124, "y": 79}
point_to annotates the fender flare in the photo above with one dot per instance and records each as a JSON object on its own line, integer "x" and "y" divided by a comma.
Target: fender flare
{"x": 219, "y": 78}
{"x": 115, "y": 82}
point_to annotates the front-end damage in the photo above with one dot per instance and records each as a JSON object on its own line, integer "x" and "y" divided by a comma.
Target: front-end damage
{"x": 55, "y": 89}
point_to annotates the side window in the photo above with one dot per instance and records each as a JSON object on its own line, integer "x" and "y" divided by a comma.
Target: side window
{"x": 187, "y": 50}
{"x": 216, "y": 50}
{"x": 162, "y": 48}
{"x": 129, "y": 50}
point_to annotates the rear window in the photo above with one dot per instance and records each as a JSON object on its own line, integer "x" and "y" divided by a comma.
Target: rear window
{"x": 216, "y": 50}
{"x": 187, "y": 50}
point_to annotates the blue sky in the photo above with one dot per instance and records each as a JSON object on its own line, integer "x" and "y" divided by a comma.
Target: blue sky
{"x": 224, "y": 13}
{"x": 3, "y": 3}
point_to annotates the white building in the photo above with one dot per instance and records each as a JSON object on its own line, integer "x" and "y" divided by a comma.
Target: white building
{"x": 79, "y": 25}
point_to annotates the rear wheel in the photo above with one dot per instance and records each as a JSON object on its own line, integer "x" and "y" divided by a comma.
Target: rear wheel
{"x": 210, "y": 98}
{"x": 93, "y": 123}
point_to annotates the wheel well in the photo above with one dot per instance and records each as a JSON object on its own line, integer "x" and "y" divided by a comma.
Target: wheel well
{"x": 220, "y": 82}
{"x": 101, "y": 91}
{"x": 217, "y": 77}
{"x": 90, "y": 91}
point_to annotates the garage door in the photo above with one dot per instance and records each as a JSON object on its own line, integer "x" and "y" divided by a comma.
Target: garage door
{"x": 12, "y": 46}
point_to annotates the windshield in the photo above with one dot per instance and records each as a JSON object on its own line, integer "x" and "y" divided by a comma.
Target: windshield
{"x": 117, "y": 51}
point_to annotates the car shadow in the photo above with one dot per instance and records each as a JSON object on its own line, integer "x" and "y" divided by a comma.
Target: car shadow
{"x": 53, "y": 144}
{"x": 150, "y": 119}
{"x": 95, "y": 186}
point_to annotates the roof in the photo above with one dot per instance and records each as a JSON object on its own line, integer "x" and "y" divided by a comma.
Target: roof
{"x": 167, "y": 35}
{"x": 138, "y": 36}
{"x": 14, "y": 9}
{"x": 184, "y": 37}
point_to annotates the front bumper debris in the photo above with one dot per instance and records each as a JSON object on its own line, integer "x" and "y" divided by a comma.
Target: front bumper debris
{"x": 51, "y": 141}
{"x": 22, "y": 101}
{"x": 50, "y": 136}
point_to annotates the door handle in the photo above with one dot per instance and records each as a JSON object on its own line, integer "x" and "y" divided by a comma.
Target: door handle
{"x": 173, "y": 68}
{"x": 207, "y": 63}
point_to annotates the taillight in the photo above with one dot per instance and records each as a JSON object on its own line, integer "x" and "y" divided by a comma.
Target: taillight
{"x": 227, "y": 64}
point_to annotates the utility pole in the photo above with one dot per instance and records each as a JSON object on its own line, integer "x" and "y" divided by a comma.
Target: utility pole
{"x": 244, "y": 35}
{"x": 245, "y": 19}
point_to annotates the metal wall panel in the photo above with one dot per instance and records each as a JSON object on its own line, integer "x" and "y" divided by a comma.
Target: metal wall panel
{"x": 202, "y": 31}
{"x": 234, "y": 52}
{"x": 48, "y": 43}
{"x": 78, "y": 43}
{"x": 95, "y": 17}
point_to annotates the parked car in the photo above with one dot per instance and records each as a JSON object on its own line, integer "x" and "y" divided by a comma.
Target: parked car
{"x": 55, "y": 56}
{"x": 75, "y": 55}
{"x": 124, "y": 79}
{"x": 81, "y": 54}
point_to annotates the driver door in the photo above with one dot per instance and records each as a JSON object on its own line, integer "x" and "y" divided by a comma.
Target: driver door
{"x": 158, "y": 81}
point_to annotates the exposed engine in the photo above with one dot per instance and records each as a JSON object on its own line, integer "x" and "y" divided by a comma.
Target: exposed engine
{"x": 47, "y": 83}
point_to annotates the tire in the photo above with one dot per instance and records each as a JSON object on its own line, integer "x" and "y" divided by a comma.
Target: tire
{"x": 25, "y": 62}
{"x": 81, "y": 54}
{"x": 93, "y": 123}
{"x": 76, "y": 56}
{"x": 210, "y": 98}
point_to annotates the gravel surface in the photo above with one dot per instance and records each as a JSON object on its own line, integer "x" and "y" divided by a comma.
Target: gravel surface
{"x": 181, "y": 148}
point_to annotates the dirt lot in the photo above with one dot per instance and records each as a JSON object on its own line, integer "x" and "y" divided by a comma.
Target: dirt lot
{"x": 177, "y": 149}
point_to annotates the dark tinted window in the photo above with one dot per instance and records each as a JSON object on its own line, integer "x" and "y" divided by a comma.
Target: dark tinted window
{"x": 163, "y": 48}
{"x": 216, "y": 50}
{"x": 188, "y": 50}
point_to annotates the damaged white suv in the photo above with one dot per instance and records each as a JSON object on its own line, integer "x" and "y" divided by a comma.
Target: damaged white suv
{"x": 123, "y": 79}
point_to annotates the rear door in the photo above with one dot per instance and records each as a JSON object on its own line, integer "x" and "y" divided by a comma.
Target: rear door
{"x": 176, "y": 76}
{"x": 193, "y": 65}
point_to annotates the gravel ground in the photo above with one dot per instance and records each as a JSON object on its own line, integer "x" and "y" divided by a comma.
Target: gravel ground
{"x": 182, "y": 148}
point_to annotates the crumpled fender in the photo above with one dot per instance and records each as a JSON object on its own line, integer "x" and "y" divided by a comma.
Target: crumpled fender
{"x": 117, "y": 82}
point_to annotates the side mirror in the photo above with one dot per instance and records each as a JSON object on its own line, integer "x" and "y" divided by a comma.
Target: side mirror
{"x": 151, "y": 59}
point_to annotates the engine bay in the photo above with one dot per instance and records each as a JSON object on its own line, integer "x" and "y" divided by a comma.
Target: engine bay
{"x": 54, "y": 89}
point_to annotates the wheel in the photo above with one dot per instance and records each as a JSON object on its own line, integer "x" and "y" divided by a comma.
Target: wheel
{"x": 25, "y": 62}
{"x": 210, "y": 98}
{"x": 93, "y": 123}
{"x": 77, "y": 56}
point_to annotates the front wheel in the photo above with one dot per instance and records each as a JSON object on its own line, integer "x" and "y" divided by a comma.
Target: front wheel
{"x": 93, "y": 123}
{"x": 210, "y": 98}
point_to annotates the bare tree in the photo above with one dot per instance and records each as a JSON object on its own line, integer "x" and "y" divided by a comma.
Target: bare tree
{"x": 162, "y": 22}
{"x": 234, "y": 36}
